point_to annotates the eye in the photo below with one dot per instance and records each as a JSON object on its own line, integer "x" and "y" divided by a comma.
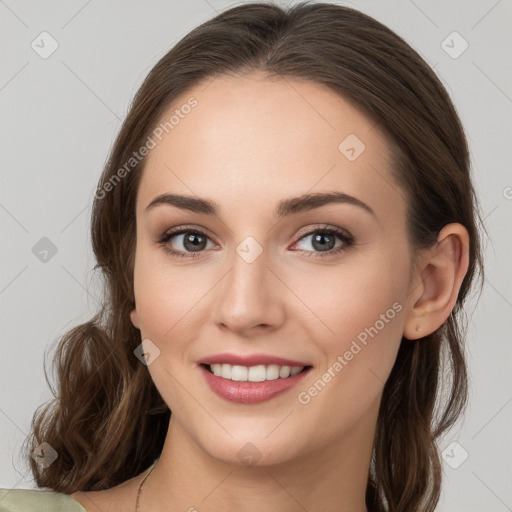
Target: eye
{"x": 323, "y": 241}
{"x": 193, "y": 242}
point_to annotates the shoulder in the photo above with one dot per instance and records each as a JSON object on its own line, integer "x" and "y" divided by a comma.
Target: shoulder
{"x": 29, "y": 500}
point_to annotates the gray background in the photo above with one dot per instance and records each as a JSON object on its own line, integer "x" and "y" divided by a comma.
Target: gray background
{"x": 60, "y": 116}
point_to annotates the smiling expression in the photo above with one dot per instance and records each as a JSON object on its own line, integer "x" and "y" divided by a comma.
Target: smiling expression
{"x": 258, "y": 232}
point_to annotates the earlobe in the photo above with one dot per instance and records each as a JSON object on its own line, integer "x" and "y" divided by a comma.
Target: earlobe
{"x": 442, "y": 274}
{"x": 135, "y": 318}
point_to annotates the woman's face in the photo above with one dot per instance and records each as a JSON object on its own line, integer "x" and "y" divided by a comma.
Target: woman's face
{"x": 260, "y": 279}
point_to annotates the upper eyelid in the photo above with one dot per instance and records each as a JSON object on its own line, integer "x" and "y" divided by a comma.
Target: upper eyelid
{"x": 179, "y": 230}
{"x": 322, "y": 227}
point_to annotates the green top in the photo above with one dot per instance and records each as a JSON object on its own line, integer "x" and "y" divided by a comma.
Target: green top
{"x": 32, "y": 500}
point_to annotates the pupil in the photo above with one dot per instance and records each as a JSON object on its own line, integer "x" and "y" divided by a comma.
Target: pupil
{"x": 192, "y": 239}
{"x": 322, "y": 246}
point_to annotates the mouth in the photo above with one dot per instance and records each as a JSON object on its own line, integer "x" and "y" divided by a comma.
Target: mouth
{"x": 253, "y": 384}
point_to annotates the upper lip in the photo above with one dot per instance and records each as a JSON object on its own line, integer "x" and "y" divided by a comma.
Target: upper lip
{"x": 250, "y": 360}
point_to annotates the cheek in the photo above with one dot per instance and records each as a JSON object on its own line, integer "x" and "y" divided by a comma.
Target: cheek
{"x": 364, "y": 316}
{"x": 348, "y": 298}
{"x": 163, "y": 294}
{"x": 173, "y": 306}
{"x": 359, "y": 316}
{"x": 166, "y": 303}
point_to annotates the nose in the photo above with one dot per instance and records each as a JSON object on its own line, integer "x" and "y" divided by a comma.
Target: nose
{"x": 249, "y": 299}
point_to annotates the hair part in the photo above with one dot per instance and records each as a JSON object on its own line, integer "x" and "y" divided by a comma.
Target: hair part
{"x": 106, "y": 403}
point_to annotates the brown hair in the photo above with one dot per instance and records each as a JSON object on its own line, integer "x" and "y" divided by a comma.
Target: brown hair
{"x": 108, "y": 422}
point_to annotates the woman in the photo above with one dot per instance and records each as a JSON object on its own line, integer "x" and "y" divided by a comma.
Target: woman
{"x": 287, "y": 231}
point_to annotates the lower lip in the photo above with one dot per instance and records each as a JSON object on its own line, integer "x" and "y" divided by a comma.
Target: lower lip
{"x": 244, "y": 392}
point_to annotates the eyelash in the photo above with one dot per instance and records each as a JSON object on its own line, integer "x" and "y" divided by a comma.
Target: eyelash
{"x": 347, "y": 239}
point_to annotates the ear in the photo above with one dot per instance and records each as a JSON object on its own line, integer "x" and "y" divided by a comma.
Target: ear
{"x": 441, "y": 272}
{"x": 134, "y": 316}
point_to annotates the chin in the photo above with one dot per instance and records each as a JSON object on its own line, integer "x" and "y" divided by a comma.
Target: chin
{"x": 249, "y": 451}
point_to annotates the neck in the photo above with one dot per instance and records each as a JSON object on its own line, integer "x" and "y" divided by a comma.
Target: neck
{"x": 331, "y": 477}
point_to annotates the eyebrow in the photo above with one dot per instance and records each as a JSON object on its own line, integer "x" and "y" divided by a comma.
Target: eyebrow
{"x": 285, "y": 208}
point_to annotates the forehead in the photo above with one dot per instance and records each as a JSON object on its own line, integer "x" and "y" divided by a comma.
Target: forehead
{"x": 250, "y": 141}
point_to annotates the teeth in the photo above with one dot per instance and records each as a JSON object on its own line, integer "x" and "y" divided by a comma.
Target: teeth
{"x": 254, "y": 373}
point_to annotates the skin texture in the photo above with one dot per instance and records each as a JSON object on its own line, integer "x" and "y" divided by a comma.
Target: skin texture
{"x": 249, "y": 143}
